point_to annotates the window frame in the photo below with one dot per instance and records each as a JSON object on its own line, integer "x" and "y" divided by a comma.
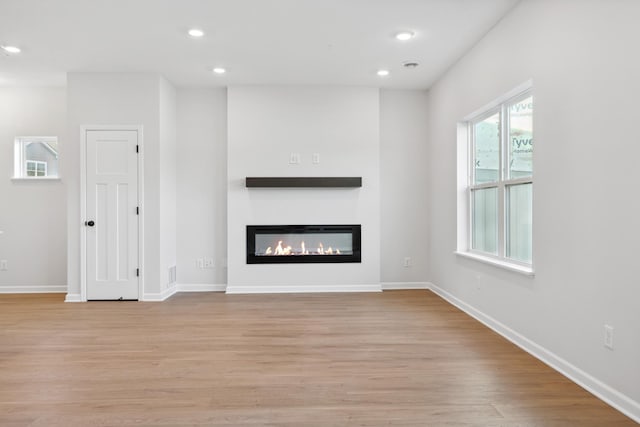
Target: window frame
{"x": 467, "y": 182}
{"x": 20, "y": 161}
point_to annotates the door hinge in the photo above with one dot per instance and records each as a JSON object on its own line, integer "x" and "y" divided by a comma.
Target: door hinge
{"x": 137, "y": 148}
{"x": 137, "y": 210}
{"x": 137, "y": 272}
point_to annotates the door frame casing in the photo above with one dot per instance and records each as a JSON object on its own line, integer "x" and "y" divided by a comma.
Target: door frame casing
{"x": 83, "y": 202}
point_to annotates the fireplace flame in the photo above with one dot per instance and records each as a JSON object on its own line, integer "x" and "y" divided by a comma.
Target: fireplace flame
{"x": 284, "y": 249}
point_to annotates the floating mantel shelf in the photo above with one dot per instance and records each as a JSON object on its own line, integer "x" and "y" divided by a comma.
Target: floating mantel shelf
{"x": 305, "y": 181}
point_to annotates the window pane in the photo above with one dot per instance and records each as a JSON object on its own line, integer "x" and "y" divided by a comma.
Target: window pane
{"x": 31, "y": 169}
{"x": 487, "y": 149}
{"x": 519, "y": 222}
{"x": 521, "y": 138}
{"x": 485, "y": 220}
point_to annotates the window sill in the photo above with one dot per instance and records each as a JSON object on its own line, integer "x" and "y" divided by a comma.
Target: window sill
{"x": 33, "y": 178}
{"x": 517, "y": 268}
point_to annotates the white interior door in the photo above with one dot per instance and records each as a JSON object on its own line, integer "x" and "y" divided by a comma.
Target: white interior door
{"x": 112, "y": 215}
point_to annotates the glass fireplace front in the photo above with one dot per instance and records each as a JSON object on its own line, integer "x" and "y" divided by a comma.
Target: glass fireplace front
{"x": 286, "y": 244}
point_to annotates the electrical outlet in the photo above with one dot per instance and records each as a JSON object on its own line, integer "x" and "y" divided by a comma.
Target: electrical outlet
{"x": 608, "y": 337}
{"x": 208, "y": 263}
{"x": 200, "y": 263}
{"x": 315, "y": 158}
{"x": 407, "y": 262}
{"x": 4, "y": 265}
{"x": 294, "y": 158}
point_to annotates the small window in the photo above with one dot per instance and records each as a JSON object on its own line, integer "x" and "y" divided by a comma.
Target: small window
{"x": 36, "y": 157}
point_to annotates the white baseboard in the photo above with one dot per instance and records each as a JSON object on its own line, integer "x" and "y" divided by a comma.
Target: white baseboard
{"x": 256, "y": 289}
{"x": 222, "y": 287}
{"x": 73, "y": 298}
{"x": 158, "y": 297}
{"x": 36, "y": 289}
{"x": 202, "y": 287}
{"x": 618, "y": 400}
{"x": 185, "y": 287}
{"x": 396, "y": 286}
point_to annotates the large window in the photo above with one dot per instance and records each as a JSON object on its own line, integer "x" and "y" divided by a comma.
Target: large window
{"x": 500, "y": 181}
{"x": 36, "y": 157}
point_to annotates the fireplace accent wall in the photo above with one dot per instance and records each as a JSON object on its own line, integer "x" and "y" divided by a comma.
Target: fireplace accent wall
{"x": 292, "y": 244}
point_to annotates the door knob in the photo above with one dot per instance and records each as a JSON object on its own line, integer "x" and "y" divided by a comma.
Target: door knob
{"x": 89, "y": 223}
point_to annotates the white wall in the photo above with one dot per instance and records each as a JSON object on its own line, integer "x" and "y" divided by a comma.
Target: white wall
{"x": 586, "y": 216}
{"x": 266, "y": 124}
{"x": 185, "y": 209}
{"x": 403, "y": 187}
{"x": 168, "y": 152}
{"x": 202, "y": 175}
{"x": 118, "y": 99}
{"x": 202, "y": 187}
{"x": 32, "y": 213}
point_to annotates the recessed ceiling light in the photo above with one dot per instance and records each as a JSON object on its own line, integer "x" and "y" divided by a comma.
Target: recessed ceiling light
{"x": 405, "y": 35}
{"x": 196, "y": 32}
{"x": 383, "y": 73}
{"x": 219, "y": 70}
{"x": 11, "y": 49}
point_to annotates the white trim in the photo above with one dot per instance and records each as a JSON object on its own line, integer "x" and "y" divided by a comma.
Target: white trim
{"x": 33, "y": 289}
{"x": 83, "y": 212}
{"x": 141, "y": 211}
{"x": 260, "y": 289}
{"x": 518, "y": 90}
{"x": 616, "y": 399}
{"x": 159, "y": 297}
{"x": 73, "y": 298}
{"x": 202, "y": 287}
{"x": 83, "y": 208}
{"x": 517, "y": 268}
{"x": 395, "y": 286}
{"x": 466, "y": 183}
{"x": 36, "y": 178}
{"x": 44, "y": 139}
{"x": 19, "y": 161}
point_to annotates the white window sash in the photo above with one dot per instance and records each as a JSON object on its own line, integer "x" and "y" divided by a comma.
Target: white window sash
{"x": 504, "y": 180}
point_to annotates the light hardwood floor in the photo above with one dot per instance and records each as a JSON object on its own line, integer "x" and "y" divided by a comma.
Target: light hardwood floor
{"x": 377, "y": 359}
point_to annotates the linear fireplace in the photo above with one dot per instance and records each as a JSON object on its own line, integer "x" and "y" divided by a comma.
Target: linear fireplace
{"x": 287, "y": 244}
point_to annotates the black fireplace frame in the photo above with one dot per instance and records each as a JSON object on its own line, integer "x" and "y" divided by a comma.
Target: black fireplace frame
{"x": 353, "y": 229}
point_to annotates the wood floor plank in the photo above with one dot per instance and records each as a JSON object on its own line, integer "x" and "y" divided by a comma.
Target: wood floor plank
{"x": 404, "y": 358}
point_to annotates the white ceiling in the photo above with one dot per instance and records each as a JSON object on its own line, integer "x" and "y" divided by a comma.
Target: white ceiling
{"x": 329, "y": 42}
